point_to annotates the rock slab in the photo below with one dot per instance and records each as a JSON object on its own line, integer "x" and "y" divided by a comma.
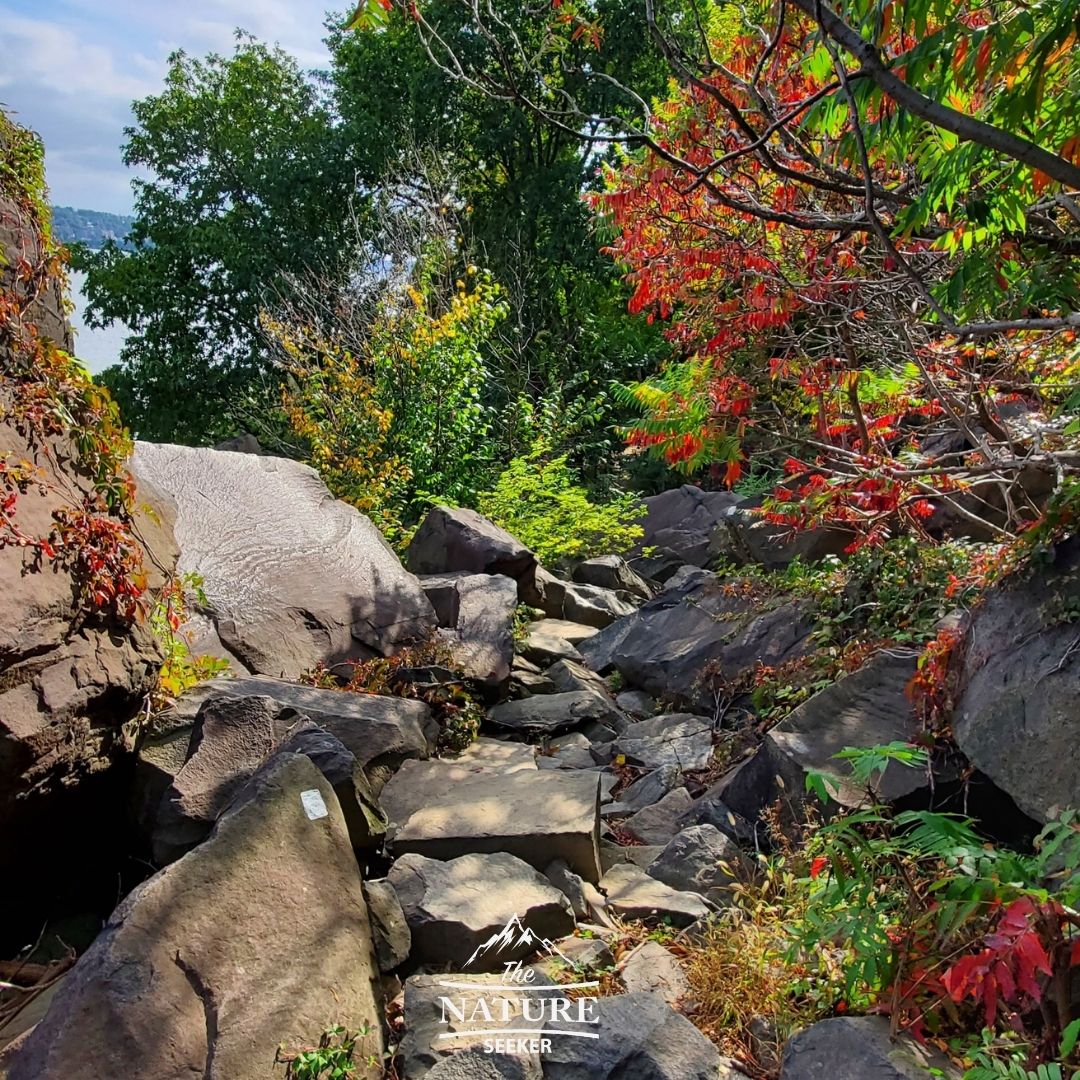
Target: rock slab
{"x": 258, "y": 937}
{"x": 292, "y": 576}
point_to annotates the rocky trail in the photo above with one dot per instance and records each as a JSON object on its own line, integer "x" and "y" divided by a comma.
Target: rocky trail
{"x": 320, "y": 858}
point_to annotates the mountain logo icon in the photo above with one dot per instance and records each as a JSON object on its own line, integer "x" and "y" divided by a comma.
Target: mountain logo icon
{"x": 515, "y": 937}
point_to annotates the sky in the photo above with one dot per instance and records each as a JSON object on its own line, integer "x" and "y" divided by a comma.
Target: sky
{"x": 71, "y": 69}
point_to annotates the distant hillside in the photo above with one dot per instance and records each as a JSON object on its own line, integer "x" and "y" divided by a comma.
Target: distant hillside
{"x": 89, "y": 227}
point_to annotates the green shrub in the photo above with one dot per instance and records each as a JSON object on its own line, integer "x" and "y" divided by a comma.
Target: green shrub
{"x": 539, "y": 499}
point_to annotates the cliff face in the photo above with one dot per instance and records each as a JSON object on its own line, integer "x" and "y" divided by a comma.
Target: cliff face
{"x": 79, "y": 559}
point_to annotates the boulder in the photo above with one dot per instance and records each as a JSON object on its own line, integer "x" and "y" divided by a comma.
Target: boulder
{"x": 1018, "y": 674}
{"x": 478, "y": 911}
{"x": 381, "y": 731}
{"x": 678, "y": 739}
{"x": 657, "y": 567}
{"x": 612, "y": 572}
{"x": 658, "y": 823}
{"x": 641, "y": 1038}
{"x": 650, "y": 788}
{"x": 650, "y": 968}
{"x": 699, "y": 859}
{"x": 673, "y": 643}
{"x": 743, "y": 537}
{"x": 636, "y": 704}
{"x": 637, "y": 854}
{"x": 570, "y": 751}
{"x": 632, "y": 893}
{"x": 544, "y": 646}
{"x": 455, "y": 539}
{"x": 868, "y": 708}
{"x": 418, "y": 783}
{"x": 73, "y": 676}
{"x": 591, "y": 605}
{"x": 538, "y": 816}
{"x": 389, "y": 927}
{"x": 683, "y": 520}
{"x": 292, "y": 576}
{"x": 365, "y": 820}
{"x": 709, "y": 808}
{"x": 475, "y": 612}
{"x": 568, "y": 675}
{"x": 256, "y": 939}
{"x": 234, "y": 734}
{"x": 858, "y": 1047}
{"x": 548, "y": 713}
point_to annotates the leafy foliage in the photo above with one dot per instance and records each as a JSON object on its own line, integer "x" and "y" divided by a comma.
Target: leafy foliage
{"x": 46, "y": 396}
{"x": 181, "y": 669}
{"x": 390, "y": 410}
{"x": 244, "y": 185}
{"x": 539, "y": 499}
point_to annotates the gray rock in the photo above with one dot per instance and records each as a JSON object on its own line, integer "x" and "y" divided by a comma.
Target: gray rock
{"x": 525, "y": 684}
{"x": 570, "y": 885}
{"x": 612, "y": 572}
{"x": 363, "y": 816}
{"x": 641, "y": 1038}
{"x": 450, "y": 540}
{"x": 240, "y": 521}
{"x": 636, "y": 854}
{"x": 570, "y": 751}
{"x": 545, "y": 592}
{"x": 651, "y": 788}
{"x": 636, "y": 704}
{"x": 234, "y": 734}
{"x": 581, "y": 954}
{"x": 389, "y": 927}
{"x": 567, "y": 675}
{"x": 549, "y": 713}
{"x": 251, "y": 941}
{"x": 666, "y": 647}
{"x": 419, "y": 783}
{"x": 743, "y": 537}
{"x": 545, "y": 646}
{"x": 658, "y": 823}
{"x": 684, "y": 519}
{"x": 538, "y": 816}
{"x": 380, "y": 731}
{"x": 1016, "y": 717}
{"x": 478, "y": 1065}
{"x": 650, "y": 968}
{"x": 233, "y": 737}
{"x": 710, "y": 809}
{"x": 631, "y": 892}
{"x": 425, "y": 1045}
{"x": 700, "y": 859}
{"x": 865, "y": 709}
{"x": 856, "y": 1048}
{"x": 73, "y": 676}
{"x": 657, "y": 567}
{"x": 593, "y": 606}
{"x": 475, "y": 612}
{"x": 689, "y": 577}
{"x": 456, "y": 908}
{"x": 678, "y": 739}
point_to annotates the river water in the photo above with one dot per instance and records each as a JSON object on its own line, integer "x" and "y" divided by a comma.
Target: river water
{"x": 97, "y": 349}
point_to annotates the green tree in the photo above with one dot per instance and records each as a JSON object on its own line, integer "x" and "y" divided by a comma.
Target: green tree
{"x": 246, "y": 184}
{"x": 518, "y": 184}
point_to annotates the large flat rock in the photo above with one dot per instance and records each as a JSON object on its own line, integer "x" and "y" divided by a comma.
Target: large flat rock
{"x": 292, "y": 576}
{"x": 670, "y": 643}
{"x": 1016, "y": 718}
{"x": 477, "y": 912}
{"x": 547, "y": 713}
{"x": 538, "y": 816}
{"x": 257, "y": 938}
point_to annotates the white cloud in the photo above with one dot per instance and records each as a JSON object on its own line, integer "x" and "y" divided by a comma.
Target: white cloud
{"x": 73, "y": 74}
